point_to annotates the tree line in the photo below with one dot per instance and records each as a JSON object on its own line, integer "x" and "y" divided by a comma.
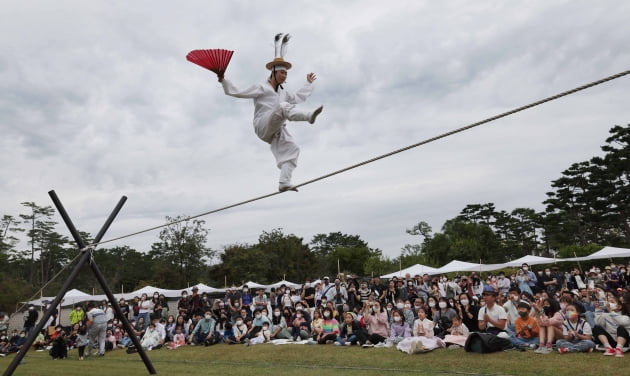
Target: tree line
{"x": 587, "y": 207}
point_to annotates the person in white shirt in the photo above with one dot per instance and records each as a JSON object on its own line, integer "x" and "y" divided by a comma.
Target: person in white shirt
{"x": 492, "y": 317}
{"x": 273, "y": 106}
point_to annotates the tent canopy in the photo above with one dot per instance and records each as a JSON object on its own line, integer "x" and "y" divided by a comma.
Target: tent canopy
{"x": 458, "y": 266}
{"x": 412, "y": 270}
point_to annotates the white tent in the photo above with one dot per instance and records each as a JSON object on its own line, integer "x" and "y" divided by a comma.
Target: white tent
{"x": 458, "y": 266}
{"x": 412, "y": 270}
{"x": 604, "y": 253}
{"x": 71, "y": 297}
{"x": 253, "y": 285}
{"x": 531, "y": 260}
{"x": 202, "y": 288}
{"x": 286, "y": 283}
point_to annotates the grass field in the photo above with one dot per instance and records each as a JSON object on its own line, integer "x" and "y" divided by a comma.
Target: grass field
{"x": 306, "y": 360}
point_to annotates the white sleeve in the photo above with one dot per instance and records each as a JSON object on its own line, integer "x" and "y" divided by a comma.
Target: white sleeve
{"x": 231, "y": 90}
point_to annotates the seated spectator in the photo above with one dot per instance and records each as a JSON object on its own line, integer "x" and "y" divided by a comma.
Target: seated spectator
{"x": 77, "y": 315}
{"x": 181, "y": 321}
{"x": 257, "y": 323}
{"x": 110, "y": 340}
{"x": 350, "y": 331}
{"x": 432, "y": 302}
{"x": 611, "y": 329}
{"x": 279, "y": 328}
{"x": 328, "y": 329}
{"x": 204, "y": 331}
{"x": 179, "y": 339}
{"x": 263, "y": 336}
{"x": 423, "y": 326}
{"x": 443, "y": 317}
{"x": 577, "y": 335}
{"x": 169, "y": 328}
{"x": 375, "y": 319}
{"x": 525, "y": 327}
{"x": 139, "y": 327}
{"x": 549, "y": 319}
{"x": 151, "y": 338}
{"x": 457, "y": 333}
{"x": 300, "y": 324}
{"x": 240, "y": 330}
{"x": 399, "y": 329}
{"x": 492, "y": 318}
{"x": 468, "y": 312}
{"x": 59, "y": 348}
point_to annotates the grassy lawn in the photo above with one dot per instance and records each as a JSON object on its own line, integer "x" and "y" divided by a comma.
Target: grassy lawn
{"x": 318, "y": 359}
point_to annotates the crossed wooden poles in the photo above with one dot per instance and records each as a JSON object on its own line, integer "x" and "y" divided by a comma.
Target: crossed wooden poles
{"x": 85, "y": 257}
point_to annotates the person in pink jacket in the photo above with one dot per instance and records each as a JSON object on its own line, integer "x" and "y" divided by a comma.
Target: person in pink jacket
{"x": 375, "y": 318}
{"x": 549, "y": 319}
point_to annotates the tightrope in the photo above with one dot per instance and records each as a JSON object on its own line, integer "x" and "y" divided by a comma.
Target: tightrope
{"x": 429, "y": 140}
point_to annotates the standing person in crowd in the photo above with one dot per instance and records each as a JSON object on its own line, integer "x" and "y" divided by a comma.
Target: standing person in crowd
{"x": 76, "y": 315}
{"x": 550, "y": 282}
{"x": 338, "y": 295}
{"x": 522, "y": 280}
{"x": 530, "y": 278}
{"x": 492, "y": 317}
{"x": 612, "y": 327}
{"x": 503, "y": 284}
{"x": 146, "y": 308}
{"x": 30, "y": 318}
{"x": 97, "y": 328}
{"x": 246, "y": 298}
{"x": 124, "y": 307}
{"x": 135, "y": 308}
{"x": 610, "y": 278}
{"x": 195, "y": 303}
{"x": 577, "y": 335}
{"x": 549, "y": 320}
{"x": 308, "y": 294}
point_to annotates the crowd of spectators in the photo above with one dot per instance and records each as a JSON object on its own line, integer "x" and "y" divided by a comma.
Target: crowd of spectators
{"x": 542, "y": 312}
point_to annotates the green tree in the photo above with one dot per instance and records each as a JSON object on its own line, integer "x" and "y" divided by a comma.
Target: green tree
{"x": 40, "y": 227}
{"x": 182, "y": 250}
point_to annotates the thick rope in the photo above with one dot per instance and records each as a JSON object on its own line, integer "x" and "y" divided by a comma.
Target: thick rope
{"x": 462, "y": 129}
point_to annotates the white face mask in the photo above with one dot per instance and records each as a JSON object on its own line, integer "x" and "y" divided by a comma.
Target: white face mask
{"x": 277, "y": 313}
{"x": 613, "y": 306}
{"x": 239, "y": 322}
{"x": 407, "y": 306}
{"x": 397, "y": 318}
{"x": 525, "y": 268}
{"x": 400, "y": 305}
{"x": 465, "y": 302}
{"x": 208, "y": 317}
{"x": 431, "y": 304}
{"x": 442, "y": 304}
{"x": 258, "y": 316}
{"x": 326, "y": 314}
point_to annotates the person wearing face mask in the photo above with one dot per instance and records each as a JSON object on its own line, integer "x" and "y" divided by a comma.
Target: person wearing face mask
{"x": 510, "y": 307}
{"x": 577, "y": 335}
{"x": 375, "y": 318}
{"x": 526, "y": 329}
{"x": 468, "y": 312}
{"x": 279, "y": 329}
{"x": 308, "y": 294}
{"x": 612, "y": 327}
{"x": 240, "y": 330}
{"x": 443, "y": 317}
{"x": 328, "y": 328}
{"x": 151, "y": 338}
{"x": 530, "y": 277}
{"x": 257, "y": 323}
{"x": 399, "y": 328}
{"x": 146, "y": 308}
{"x": 76, "y": 315}
{"x": 204, "y": 330}
{"x": 610, "y": 278}
{"x": 549, "y": 318}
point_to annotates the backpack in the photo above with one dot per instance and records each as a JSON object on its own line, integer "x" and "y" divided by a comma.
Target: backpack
{"x": 484, "y": 343}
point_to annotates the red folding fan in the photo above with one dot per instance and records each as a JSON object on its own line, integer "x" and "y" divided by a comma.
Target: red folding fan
{"x": 215, "y": 60}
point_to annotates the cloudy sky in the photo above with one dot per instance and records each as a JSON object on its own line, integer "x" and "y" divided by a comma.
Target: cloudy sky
{"x": 98, "y": 101}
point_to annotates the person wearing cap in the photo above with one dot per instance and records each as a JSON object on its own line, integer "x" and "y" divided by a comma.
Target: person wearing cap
{"x": 273, "y": 106}
{"x": 492, "y": 317}
{"x": 610, "y": 278}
